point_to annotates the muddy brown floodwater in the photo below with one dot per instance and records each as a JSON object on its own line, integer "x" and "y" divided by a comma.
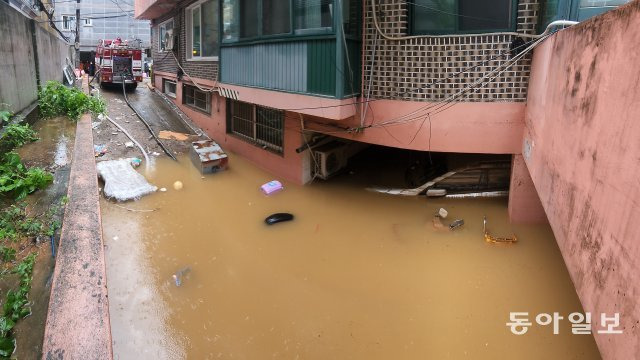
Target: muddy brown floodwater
{"x": 356, "y": 275}
{"x": 54, "y": 152}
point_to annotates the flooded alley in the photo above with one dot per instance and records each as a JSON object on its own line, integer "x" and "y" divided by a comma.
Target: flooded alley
{"x": 355, "y": 274}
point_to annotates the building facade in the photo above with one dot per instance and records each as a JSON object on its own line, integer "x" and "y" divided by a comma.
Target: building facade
{"x": 101, "y": 19}
{"x": 267, "y": 78}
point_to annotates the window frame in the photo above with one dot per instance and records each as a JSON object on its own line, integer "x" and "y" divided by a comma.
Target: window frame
{"x": 87, "y": 22}
{"x": 254, "y": 138}
{"x": 72, "y": 20}
{"x": 188, "y": 15}
{"x": 457, "y": 31}
{"x": 193, "y": 106}
{"x": 160, "y": 26}
{"x": 291, "y": 35}
{"x": 166, "y": 81}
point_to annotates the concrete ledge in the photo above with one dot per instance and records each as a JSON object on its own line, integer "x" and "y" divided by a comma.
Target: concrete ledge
{"x": 78, "y": 320}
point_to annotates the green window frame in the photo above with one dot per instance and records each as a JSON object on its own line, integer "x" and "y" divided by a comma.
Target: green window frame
{"x": 253, "y": 20}
{"x": 450, "y": 17}
{"x": 576, "y": 10}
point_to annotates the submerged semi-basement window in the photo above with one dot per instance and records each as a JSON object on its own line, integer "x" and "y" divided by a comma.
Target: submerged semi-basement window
{"x": 257, "y": 124}
{"x": 202, "y": 30}
{"x": 195, "y": 98}
{"x": 462, "y": 16}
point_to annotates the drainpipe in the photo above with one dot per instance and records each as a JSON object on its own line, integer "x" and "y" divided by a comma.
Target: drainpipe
{"x": 77, "y": 42}
{"x": 34, "y": 45}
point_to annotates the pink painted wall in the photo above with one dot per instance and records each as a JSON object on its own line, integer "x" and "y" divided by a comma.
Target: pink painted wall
{"x": 472, "y": 127}
{"x": 524, "y": 203}
{"x": 582, "y": 147}
{"x": 287, "y": 166}
{"x": 469, "y": 127}
{"x": 151, "y": 9}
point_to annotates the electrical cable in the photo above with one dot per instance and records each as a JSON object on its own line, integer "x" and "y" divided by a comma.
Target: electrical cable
{"x": 212, "y": 90}
{"x": 446, "y": 103}
{"x": 464, "y": 70}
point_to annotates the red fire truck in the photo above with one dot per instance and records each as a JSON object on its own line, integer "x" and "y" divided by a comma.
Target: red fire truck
{"x": 119, "y": 61}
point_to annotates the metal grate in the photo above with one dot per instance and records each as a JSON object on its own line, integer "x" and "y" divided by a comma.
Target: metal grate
{"x": 258, "y": 124}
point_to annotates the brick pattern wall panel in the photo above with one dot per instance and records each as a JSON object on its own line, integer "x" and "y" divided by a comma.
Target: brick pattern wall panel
{"x": 404, "y": 69}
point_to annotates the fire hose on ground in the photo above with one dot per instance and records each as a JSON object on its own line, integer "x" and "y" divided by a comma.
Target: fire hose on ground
{"x": 124, "y": 92}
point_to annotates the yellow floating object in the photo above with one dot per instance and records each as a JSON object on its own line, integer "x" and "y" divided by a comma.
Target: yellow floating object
{"x": 496, "y": 240}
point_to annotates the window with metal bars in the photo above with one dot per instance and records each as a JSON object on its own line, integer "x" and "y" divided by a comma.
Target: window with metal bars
{"x": 257, "y": 124}
{"x": 198, "y": 99}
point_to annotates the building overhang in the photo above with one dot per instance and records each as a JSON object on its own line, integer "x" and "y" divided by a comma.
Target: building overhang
{"x": 153, "y": 9}
{"x": 324, "y": 107}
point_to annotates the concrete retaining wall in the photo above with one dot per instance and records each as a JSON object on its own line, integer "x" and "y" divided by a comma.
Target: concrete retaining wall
{"x": 582, "y": 147}
{"x": 18, "y": 67}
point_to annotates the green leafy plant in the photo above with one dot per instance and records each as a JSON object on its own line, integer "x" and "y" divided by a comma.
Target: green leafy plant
{"x": 7, "y": 254}
{"x": 16, "y": 305}
{"x": 16, "y": 135}
{"x": 5, "y": 116}
{"x": 55, "y": 99}
{"x": 17, "y": 181}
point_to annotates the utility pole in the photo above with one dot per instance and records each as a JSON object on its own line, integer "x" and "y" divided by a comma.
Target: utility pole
{"x": 77, "y": 42}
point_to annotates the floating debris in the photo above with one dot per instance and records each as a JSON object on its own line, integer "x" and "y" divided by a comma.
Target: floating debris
{"x": 443, "y": 213}
{"x": 177, "y": 185}
{"x": 456, "y": 224}
{"x": 278, "y": 217}
{"x": 121, "y": 181}
{"x": 271, "y": 187}
{"x": 177, "y": 277}
{"x": 495, "y": 240}
{"x": 99, "y": 150}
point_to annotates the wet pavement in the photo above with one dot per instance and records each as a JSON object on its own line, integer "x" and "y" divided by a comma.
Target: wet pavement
{"x": 355, "y": 275}
{"x": 156, "y": 111}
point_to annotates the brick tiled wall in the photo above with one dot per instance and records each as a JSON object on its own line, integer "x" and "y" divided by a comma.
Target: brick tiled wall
{"x": 197, "y": 69}
{"x": 403, "y": 67}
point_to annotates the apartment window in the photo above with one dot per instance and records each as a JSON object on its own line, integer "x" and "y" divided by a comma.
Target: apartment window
{"x": 87, "y": 22}
{"x": 68, "y": 22}
{"x": 169, "y": 88}
{"x": 195, "y": 98}
{"x": 257, "y": 124}
{"x": 255, "y": 19}
{"x": 463, "y": 16}
{"x": 165, "y": 32}
{"x": 313, "y": 15}
{"x": 202, "y": 30}
{"x": 276, "y": 17}
{"x": 578, "y": 10}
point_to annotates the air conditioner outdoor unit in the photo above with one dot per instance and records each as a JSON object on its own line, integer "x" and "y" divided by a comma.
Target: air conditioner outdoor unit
{"x": 330, "y": 158}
